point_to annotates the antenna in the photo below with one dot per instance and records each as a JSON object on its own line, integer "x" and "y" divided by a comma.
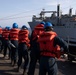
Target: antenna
{"x": 70, "y": 11}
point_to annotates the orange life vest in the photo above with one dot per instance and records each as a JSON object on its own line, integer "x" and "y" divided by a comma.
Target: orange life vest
{"x": 14, "y": 34}
{"x": 46, "y": 42}
{"x": 0, "y": 30}
{"x": 23, "y": 37}
{"x": 5, "y": 34}
{"x": 38, "y": 30}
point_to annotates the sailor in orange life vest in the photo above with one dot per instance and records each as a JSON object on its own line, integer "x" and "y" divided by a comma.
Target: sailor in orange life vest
{"x": 35, "y": 52}
{"x": 14, "y": 40}
{"x": 5, "y": 36}
{"x": 50, "y": 45}
{"x": 23, "y": 47}
{"x": 1, "y": 42}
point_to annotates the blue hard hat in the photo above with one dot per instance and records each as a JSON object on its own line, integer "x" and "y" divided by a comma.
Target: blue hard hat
{"x": 48, "y": 24}
{"x": 24, "y": 27}
{"x": 0, "y": 27}
{"x": 42, "y": 22}
{"x": 7, "y": 27}
{"x": 15, "y": 25}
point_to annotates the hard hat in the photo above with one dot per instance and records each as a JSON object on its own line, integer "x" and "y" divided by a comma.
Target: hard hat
{"x": 42, "y": 22}
{"x": 7, "y": 27}
{"x": 15, "y": 25}
{"x": 48, "y": 24}
{"x": 24, "y": 27}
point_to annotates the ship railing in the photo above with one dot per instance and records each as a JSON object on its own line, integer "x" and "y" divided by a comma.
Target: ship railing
{"x": 70, "y": 41}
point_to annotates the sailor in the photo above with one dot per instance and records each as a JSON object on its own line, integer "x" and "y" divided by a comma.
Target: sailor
{"x": 50, "y": 45}
{"x": 14, "y": 40}
{"x": 34, "y": 49}
{"x": 1, "y": 42}
{"x": 23, "y": 39}
{"x": 5, "y": 36}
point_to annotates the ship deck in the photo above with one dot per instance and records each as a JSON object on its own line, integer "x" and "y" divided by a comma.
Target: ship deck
{"x": 64, "y": 67}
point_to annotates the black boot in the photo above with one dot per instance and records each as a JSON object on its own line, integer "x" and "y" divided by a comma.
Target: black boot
{"x": 18, "y": 69}
{"x": 24, "y": 72}
{"x": 14, "y": 63}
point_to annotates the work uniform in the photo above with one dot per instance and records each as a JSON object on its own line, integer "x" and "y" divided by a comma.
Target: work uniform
{"x": 23, "y": 48}
{"x": 35, "y": 52}
{"x": 14, "y": 49}
{"x": 50, "y": 45}
{"x": 5, "y": 36}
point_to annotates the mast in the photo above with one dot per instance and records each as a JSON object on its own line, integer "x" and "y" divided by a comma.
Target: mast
{"x": 58, "y": 14}
{"x": 70, "y": 12}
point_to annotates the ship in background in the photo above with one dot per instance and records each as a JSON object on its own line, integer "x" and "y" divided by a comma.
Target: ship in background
{"x": 64, "y": 25}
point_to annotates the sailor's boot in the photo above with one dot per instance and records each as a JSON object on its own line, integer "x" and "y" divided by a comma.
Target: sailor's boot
{"x": 18, "y": 69}
{"x": 12, "y": 62}
{"x": 24, "y": 72}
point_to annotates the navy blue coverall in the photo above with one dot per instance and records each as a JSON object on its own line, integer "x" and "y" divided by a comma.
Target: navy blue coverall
{"x": 23, "y": 53}
{"x": 34, "y": 55}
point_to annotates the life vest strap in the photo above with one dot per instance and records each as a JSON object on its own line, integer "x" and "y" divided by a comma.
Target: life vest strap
{"x": 47, "y": 51}
{"x": 14, "y": 39}
{"x": 51, "y": 51}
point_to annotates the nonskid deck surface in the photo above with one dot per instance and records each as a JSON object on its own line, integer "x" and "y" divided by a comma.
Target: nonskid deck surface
{"x": 64, "y": 67}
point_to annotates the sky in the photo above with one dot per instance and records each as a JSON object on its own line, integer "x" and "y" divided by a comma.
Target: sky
{"x": 21, "y": 11}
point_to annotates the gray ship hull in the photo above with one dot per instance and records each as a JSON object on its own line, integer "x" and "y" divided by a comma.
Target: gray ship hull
{"x": 32, "y": 24}
{"x": 64, "y": 25}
